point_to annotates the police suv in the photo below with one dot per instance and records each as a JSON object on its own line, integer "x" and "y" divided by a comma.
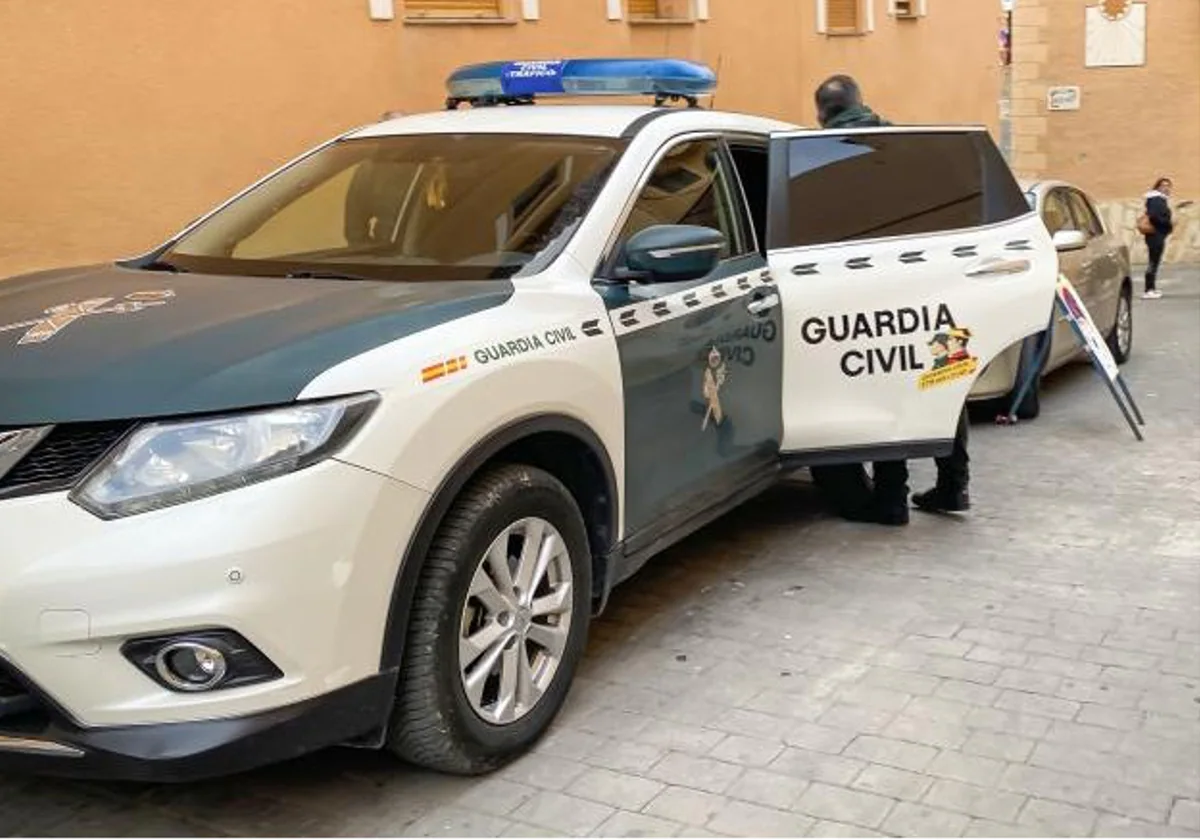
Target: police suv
{"x": 355, "y": 457}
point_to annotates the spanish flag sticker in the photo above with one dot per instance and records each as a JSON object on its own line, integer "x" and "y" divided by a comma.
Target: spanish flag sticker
{"x": 443, "y": 369}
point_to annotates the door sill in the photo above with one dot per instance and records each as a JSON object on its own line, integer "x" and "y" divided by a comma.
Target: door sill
{"x": 899, "y": 451}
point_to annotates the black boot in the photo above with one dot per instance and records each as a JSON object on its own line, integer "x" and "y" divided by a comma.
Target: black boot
{"x": 888, "y": 504}
{"x": 942, "y": 499}
{"x": 879, "y": 512}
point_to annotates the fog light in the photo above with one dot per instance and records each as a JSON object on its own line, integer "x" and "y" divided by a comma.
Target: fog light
{"x": 190, "y": 666}
{"x": 200, "y": 660}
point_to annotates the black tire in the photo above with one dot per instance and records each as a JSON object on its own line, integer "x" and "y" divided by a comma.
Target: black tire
{"x": 434, "y": 724}
{"x": 1124, "y": 307}
{"x": 1031, "y": 404}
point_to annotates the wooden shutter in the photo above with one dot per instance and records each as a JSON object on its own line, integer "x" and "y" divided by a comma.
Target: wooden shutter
{"x": 843, "y": 15}
{"x": 454, "y": 8}
{"x": 643, "y": 8}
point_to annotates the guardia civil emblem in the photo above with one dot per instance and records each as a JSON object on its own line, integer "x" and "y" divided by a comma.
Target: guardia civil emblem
{"x": 715, "y": 374}
{"x": 54, "y": 320}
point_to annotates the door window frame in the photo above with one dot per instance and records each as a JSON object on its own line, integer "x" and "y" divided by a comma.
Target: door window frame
{"x": 1092, "y": 226}
{"x": 606, "y": 264}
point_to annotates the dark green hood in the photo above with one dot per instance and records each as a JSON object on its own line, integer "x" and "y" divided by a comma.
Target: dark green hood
{"x": 215, "y": 344}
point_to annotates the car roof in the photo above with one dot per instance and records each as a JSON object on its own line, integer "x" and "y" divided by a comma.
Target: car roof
{"x": 570, "y": 120}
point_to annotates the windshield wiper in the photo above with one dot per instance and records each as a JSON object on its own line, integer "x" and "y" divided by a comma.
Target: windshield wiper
{"x": 163, "y": 265}
{"x": 324, "y": 275}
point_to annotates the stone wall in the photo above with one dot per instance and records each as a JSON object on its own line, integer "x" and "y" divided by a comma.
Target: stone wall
{"x": 1182, "y": 247}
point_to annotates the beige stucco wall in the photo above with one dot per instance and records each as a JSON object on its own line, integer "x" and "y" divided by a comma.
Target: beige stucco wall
{"x": 1134, "y": 123}
{"x": 125, "y": 119}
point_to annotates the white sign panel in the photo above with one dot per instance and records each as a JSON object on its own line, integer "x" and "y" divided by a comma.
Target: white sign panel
{"x": 1063, "y": 98}
{"x": 1072, "y": 307}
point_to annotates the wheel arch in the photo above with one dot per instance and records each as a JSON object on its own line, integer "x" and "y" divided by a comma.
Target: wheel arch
{"x": 562, "y": 446}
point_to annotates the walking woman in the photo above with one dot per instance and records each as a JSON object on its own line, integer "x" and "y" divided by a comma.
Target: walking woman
{"x": 1155, "y": 225}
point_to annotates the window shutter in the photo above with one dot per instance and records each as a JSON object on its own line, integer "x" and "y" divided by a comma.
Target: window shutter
{"x": 844, "y": 15}
{"x": 454, "y": 8}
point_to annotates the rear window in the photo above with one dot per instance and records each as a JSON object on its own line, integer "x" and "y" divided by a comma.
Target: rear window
{"x": 843, "y": 188}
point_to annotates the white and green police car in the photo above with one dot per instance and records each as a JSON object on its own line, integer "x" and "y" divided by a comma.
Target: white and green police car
{"x": 354, "y": 458}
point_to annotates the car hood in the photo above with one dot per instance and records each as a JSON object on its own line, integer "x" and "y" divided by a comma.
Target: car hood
{"x": 107, "y": 342}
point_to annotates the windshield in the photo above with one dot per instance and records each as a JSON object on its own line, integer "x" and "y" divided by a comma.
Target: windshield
{"x": 422, "y": 207}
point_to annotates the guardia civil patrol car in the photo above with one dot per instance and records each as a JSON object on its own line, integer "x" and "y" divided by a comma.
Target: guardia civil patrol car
{"x": 355, "y": 458}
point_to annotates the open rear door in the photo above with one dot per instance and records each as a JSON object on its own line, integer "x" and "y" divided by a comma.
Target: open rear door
{"x": 906, "y": 259}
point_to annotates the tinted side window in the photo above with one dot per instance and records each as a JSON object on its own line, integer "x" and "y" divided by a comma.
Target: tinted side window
{"x": 690, "y": 186}
{"x": 846, "y": 188}
{"x": 1085, "y": 217}
{"x": 1056, "y": 214}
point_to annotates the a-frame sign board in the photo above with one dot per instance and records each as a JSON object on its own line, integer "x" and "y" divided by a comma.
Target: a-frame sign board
{"x": 1068, "y": 302}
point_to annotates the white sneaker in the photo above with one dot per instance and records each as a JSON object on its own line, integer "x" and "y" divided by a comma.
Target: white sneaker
{"x": 1154, "y": 294}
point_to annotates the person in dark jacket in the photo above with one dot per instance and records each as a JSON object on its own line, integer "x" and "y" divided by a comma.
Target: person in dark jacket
{"x": 854, "y": 496}
{"x": 1158, "y": 211}
{"x": 885, "y": 499}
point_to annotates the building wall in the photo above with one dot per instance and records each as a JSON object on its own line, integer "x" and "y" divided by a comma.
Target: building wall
{"x": 126, "y": 119}
{"x": 1134, "y": 123}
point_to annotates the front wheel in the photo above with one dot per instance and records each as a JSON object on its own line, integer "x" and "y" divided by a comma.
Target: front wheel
{"x": 1120, "y": 337}
{"x": 498, "y": 625}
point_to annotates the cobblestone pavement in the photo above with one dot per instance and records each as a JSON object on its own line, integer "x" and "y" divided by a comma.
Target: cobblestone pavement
{"x": 1030, "y": 669}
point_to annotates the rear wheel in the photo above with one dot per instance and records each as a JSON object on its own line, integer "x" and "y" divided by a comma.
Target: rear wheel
{"x": 498, "y": 624}
{"x": 1120, "y": 337}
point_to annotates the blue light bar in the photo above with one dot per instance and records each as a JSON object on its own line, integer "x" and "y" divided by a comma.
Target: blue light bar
{"x": 522, "y": 81}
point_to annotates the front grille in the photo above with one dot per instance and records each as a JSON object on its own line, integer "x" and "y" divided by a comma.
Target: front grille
{"x": 62, "y": 457}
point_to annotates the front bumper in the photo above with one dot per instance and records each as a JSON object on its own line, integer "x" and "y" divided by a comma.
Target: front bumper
{"x": 316, "y": 555}
{"x": 184, "y": 752}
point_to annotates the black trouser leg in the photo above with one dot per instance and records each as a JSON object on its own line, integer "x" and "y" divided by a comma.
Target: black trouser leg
{"x": 845, "y": 487}
{"x": 1155, "y": 244}
{"x": 953, "y": 470}
{"x": 891, "y": 483}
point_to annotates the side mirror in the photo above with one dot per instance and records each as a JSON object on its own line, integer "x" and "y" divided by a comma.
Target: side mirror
{"x": 674, "y": 253}
{"x": 1069, "y": 240}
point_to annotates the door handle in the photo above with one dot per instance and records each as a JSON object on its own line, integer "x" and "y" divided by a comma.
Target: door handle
{"x": 997, "y": 266}
{"x": 763, "y": 305}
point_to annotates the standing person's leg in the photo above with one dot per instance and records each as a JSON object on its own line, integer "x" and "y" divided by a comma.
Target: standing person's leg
{"x": 891, "y": 493}
{"x": 845, "y": 487}
{"x": 953, "y": 475}
{"x": 1155, "y": 244}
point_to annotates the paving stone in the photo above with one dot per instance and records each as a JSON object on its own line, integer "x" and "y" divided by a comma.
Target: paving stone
{"x": 1099, "y": 694}
{"x": 1132, "y": 802}
{"x": 931, "y": 732}
{"x": 1037, "y": 704}
{"x": 817, "y": 767}
{"x": 961, "y": 669}
{"x": 1122, "y": 719}
{"x": 1186, "y": 814}
{"x": 861, "y": 719}
{"x": 874, "y": 698}
{"x": 1081, "y": 735}
{"x": 987, "y": 828}
{"x": 1055, "y": 818}
{"x": 975, "y": 801}
{"x": 1009, "y": 723}
{"x": 620, "y": 790}
{"x": 625, "y": 824}
{"x": 496, "y": 796}
{"x": 811, "y": 736}
{"x": 994, "y": 639}
{"x": 1111, "y": 825}
{"x": 828, "y": 828}
{"x": 843, "y": 805}
{"x": 998, "y": 745}
{"x": 519, "y": 829}
{"x": 890, "y": 752}
{"x": 892, "y": 783}
{"x": 910, "y": 820}
{"x": 626, "y": 756}
{"x": 569, "y": 815}
{"x": 902, "y": 681}
{"x": 572, "y": 744}
{"x": 967, "y": 692}
{"x": 939, "y": 709}
{"x": 1036, "y": 682}
{"x": 753, "y": 724}
{"x": 457, "y": 822}
{"x": 686, "y": 805}
{"x": 1072, "y": 668}
{"x": 973, "y": 769}
{"x": 705, "y": 774}
{"x": 743, "y": 819}
{"x": 762, "y": 787}
{"x": 1078, "y": 760}
{"x": 941, "y": 647}
{"x": 681, "y": 737}
{"x": 1055, "y": 647}
{"x": 995, "y": 656}
{"x": 543, "y": 771}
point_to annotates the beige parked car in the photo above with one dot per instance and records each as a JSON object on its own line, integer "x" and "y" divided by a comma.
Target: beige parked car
{"x": 1096, "y": 262}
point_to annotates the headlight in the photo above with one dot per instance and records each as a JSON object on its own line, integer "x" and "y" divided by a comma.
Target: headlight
{"x": 169, "y": 463}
